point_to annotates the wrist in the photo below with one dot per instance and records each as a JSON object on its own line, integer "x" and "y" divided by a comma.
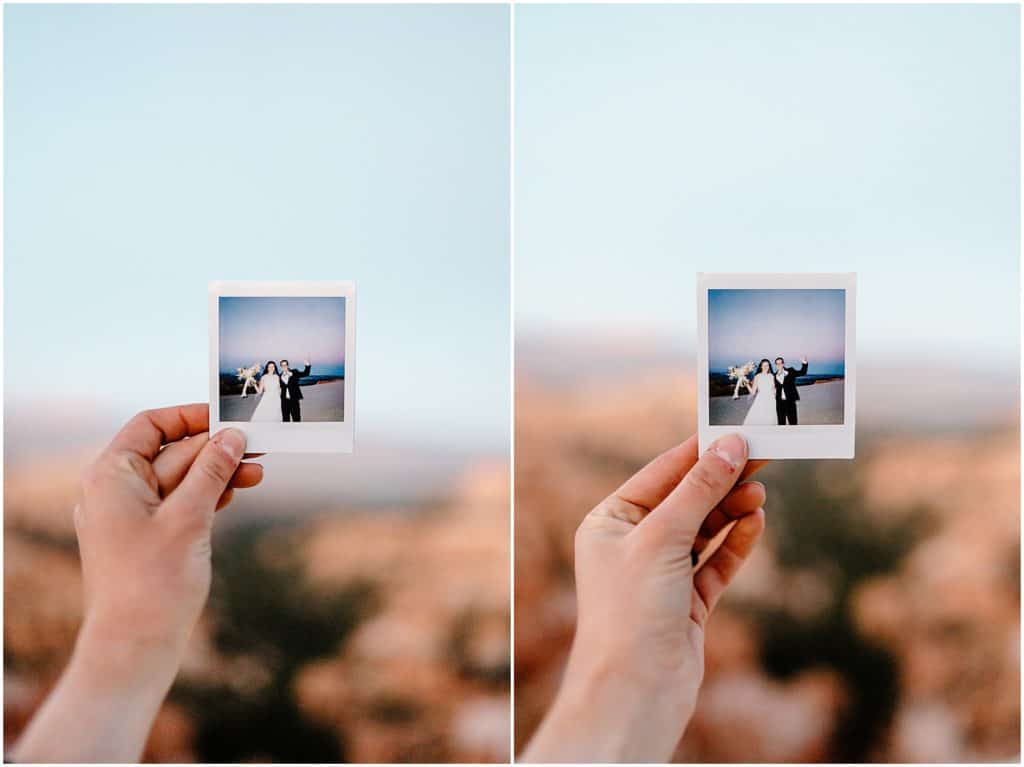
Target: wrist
{"x": 105, "y": 658}
{"x": 606, "y": 711}
{"x": 105, "y": 703}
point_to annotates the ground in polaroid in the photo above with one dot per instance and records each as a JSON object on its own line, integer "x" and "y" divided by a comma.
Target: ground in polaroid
{"x": 777, "y": 352}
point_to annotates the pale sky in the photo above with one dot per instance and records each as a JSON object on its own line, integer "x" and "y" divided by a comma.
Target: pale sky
{"x": 152, "y": 149}
{"x": 749, "y": 325}
{"x": 657, "y": 141}
{"x": 255, "y": 330}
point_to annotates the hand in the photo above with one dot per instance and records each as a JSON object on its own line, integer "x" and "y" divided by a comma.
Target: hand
{"x": 637, "y": 661}
{"x": 803, "y": 360}
{"x": 145, "y": 518}
{"x": 143, "y": 524}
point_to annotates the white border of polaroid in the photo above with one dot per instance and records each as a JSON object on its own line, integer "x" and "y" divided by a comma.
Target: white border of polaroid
{"x": 306, "y": 437}
{"x": 817, "y": 441}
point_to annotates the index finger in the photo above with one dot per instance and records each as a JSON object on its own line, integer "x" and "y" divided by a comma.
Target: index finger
{"x": 147, "y": 431}
{"x": 652, "y": 484}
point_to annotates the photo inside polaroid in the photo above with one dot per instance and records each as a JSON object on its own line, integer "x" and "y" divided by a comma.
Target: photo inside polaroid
{"x": 281, "y": 359}
{"x": 776, "y": 357}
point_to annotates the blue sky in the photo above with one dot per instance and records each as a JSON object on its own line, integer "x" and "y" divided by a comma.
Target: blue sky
{"x": 254, "y": 330}
{"x": 152, "y": 149}
{"x": 748, "y": 325}
{"x": 657, "y": 141}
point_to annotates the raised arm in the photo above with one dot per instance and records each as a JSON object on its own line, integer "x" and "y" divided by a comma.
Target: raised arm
{"x": 631, "y": 682}
{"x": 803, "y": 369}
{"x": 143, "y": 523}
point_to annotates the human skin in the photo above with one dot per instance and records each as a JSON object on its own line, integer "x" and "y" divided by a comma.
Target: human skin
{"x": 143, "y": 522}
{"x": 637, "y": 660}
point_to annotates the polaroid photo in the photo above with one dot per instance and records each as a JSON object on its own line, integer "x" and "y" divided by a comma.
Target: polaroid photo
{"x": 777, "y": 362}
{"x": 282, "y": 364}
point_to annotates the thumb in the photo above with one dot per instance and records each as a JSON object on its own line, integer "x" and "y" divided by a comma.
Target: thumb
{"x": 678, "y": 518}
{"x": 195, "y": 499}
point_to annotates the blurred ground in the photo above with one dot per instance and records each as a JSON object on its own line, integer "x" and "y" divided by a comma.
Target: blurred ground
{"x": 367, "y": 626}
{"x": 360, "y": 611}
{"x": 879, "y": 619}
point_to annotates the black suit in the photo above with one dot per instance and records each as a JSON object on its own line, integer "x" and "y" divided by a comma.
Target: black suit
{"x": 785, "y": 409}
{"x": 291, "y": 395}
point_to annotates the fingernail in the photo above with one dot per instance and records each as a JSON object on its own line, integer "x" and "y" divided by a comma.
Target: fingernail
{"x": 731, "y": 448}
{"x": 232, "y": 442}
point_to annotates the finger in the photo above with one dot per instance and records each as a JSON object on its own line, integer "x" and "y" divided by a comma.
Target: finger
{"x": 147, "y": 431}
{"x": 711, "y": 580}
{"x": 752, "y": 468}
{"x": 742, "y": 499}
{"x": 225, "y": 499}
{"x": 195, "y": 499}
{"x": 247, "y": 475}
{"x": 678, "y": 518}
{"x": 173, "y": 462}
{"x": 652, "y": 484}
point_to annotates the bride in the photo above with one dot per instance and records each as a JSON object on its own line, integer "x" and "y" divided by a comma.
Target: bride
{"x": 269, "y": 407}
{"x": 762, "y": 392}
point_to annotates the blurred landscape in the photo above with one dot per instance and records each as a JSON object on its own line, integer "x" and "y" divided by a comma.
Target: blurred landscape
{"x": 360, "y": 608}
{"x": 879, "y": 618}
{"x": 359, "y": 611}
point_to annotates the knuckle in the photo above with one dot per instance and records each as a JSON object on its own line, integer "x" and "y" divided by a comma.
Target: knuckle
{"x": 109, "y": 466}
{"x": 130, "y": 462}
{"x": 580, "y": 538}
{"x": 619, "y": 509}
{"x": 587, "y": 532}
{"x": 142, "y": 417}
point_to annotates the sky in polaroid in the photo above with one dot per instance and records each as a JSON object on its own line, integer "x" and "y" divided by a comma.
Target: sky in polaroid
{"x": 749, "y": 324}
{"x": 787, "y": 410}
{"x": 296, "y": 328}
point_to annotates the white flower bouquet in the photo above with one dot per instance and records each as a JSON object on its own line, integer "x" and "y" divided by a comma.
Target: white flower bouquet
{"x": 739, "y": 373}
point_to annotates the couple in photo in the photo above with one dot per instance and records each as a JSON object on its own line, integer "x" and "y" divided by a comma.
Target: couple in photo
{"x": 281, "y": 393}
{"x": 774, "y": 395}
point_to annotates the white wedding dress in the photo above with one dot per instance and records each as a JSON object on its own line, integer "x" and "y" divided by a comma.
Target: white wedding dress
{"x": 762, "y": 409}
{"x": 269, "y": 407}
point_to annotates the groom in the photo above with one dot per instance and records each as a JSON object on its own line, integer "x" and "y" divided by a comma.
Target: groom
{"x": 291, "y": 394}
{"x": 786, "y": 395}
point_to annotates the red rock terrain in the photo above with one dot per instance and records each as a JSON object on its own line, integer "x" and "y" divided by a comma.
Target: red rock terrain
{"x": 879, "y": 619}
